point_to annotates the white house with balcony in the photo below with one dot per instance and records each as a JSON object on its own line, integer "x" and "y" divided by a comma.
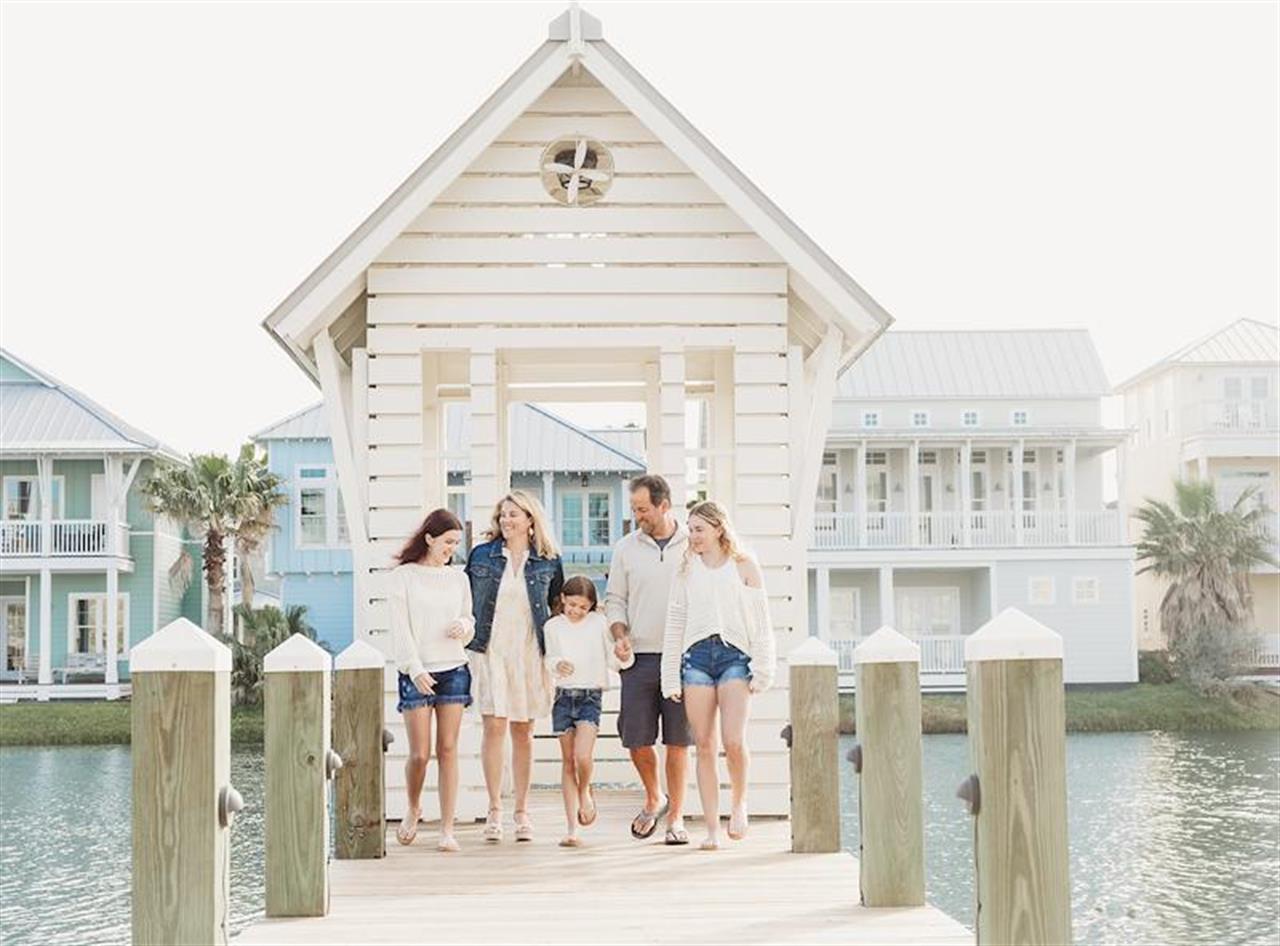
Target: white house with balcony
{"x": 962, "y": 475}
{"x": 1209, "y": 411}
{"x": 84, "y": 564}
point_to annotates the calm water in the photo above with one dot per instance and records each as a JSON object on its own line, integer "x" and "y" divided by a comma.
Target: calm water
{"x": 1174, "y": 839}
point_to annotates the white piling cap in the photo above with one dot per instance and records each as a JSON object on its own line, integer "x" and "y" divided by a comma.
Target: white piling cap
{"x": 814, "y": 652}
{"x": 886, "y": 646}
{"x": 1013, "y": 635}
{"x": 297, "y": 653}
{"x": 360, "y": 655}
{"x": 180, "y": 645}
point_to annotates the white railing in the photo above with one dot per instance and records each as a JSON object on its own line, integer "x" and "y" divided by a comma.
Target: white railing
{"x": 1230, "y": 414}
{"x": 937, "y": 654}
{"x": 66, "y": 537}
{"x": 1266, "y": 652}
{"x": 993, "y": 529}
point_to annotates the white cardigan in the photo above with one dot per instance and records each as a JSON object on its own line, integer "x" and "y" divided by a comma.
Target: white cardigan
{"x": 706, "y": 601}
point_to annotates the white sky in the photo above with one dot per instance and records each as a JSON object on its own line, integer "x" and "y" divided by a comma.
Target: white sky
{"x": 170, "y": 172}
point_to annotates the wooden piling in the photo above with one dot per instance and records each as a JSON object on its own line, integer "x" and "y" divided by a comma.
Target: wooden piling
{"x": 1017, "y": 741}
{"x": 181, "y": 748}
{"x": 358, "y": 725}
{"x": 815, "y": 748}
{"x": 890, "y": 776}
{"x": 297, "y": 754}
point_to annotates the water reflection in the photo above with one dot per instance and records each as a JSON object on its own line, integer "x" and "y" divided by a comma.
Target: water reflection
{"x": 1174, "y": 838}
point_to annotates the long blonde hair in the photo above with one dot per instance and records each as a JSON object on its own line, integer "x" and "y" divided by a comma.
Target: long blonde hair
{"x": 717, "y": 517}
{"x": 542, "y": 541}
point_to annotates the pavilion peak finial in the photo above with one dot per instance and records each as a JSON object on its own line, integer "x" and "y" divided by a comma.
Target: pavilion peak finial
{"x": 576, "y": 27}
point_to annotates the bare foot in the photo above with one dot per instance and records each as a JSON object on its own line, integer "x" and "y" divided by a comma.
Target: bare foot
{"x": 738, "y": 823}
{"x": 710, "y": 844}
{"x": 449, "y": 843}
{"x": 571, "y": 840}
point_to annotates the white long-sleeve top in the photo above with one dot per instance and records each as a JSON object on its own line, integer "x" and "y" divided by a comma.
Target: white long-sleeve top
{"x": 707, "y": 601}
{"x": 587, "y": 645}
{"x": 424, "y": 601}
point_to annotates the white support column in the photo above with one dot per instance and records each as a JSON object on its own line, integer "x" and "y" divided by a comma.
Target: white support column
{"x": 652, "y": 417}
{"x": 1016, "y": 493}
{"x": 503, "y": 392}
{"x": 671, "y": 377}
{"x": 360, "y": 422}
{"x": 114, "y": 477}
{"x": 484, "y": 438}
{"x": 966, "y": 492}
{"x": 820, "y": 377}
{"x": 823, "y": 603}
{"x": 1122, "y": 505}
{"x": 993, "y": 595}
{"x": 435, "y": 441}
{"x": 913, "y": 493}
{"x": 44, "y": 486}
{"x": 860, "y": 495}
{"x": 549, "y": 500}
{"x": 722, "y": 434}
{"x": 888, "y": 617}
{"x": 1069, "y": 486}
{"x": 1202, "y": 468}
{"x": 45, "y": 676}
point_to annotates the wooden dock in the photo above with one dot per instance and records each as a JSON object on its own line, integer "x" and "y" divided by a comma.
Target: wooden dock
{"x": 613, "y": 890}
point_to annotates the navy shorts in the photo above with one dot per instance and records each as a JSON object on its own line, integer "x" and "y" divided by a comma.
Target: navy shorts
{"x": 712, "y": 661}
{"x": 452, "y": 686}
{"x": 643, "y": 706}
{"x": 573, "y": 707}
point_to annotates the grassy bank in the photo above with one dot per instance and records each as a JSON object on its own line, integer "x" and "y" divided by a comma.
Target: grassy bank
{"x": 95, "y": 724}
{"x": 1173, "y": 707}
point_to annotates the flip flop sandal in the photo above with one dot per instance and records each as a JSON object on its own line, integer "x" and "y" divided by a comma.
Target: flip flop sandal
{"x": 587, "y": 820}
{"x": 648, "y": 821}
{"x": 524, "y": 827}
{"x": 493, "y": 826}
{"x": 675, "y": 836}
{"x": 406, "y": 831}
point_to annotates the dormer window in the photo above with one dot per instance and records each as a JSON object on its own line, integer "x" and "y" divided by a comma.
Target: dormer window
{"x": 870, "y": 418}
{"x": 919, "y": 418}
{"x": 1019, "y": 418}
{"x": 969, "y": 419}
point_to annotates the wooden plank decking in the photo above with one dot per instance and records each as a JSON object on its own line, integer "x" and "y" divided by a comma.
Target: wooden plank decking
{"x": 614, "y": 890}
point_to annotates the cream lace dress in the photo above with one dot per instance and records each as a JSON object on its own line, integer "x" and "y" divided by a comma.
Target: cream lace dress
{"x": 511, "y": 679}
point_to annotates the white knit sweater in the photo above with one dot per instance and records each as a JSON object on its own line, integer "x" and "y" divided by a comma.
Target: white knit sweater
{"x": 424, "y": 600}
{"x": 707, "y": 601}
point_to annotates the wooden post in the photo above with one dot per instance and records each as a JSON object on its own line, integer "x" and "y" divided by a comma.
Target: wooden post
{"x": 815, "y": 748}
{"x": 889, "y": 765}
{"x": 182, "y": 798}
{"x": 360, "y": 785}
{"x": 299, "y": 763}
{"x": 1018, "y": 794}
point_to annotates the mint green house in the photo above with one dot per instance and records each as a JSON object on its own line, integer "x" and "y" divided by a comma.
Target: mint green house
{"x": 84, "y": 565}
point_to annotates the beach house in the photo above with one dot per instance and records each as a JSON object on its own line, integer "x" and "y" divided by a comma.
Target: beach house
{"x": 963, "y": 475}
{"x": 86, "y": 570}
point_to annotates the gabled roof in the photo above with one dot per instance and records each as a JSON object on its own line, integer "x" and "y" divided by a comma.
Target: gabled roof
{"x": 39, "y": 413}
{"x": 1030, "y": 363}
{"x": 1243, "y": 342}
{"x": 541, "y": 442}
{"x": 574, "y": 37}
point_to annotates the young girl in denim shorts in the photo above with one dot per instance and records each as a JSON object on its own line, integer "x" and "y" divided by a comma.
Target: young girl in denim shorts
{"x": 580, "y": 654}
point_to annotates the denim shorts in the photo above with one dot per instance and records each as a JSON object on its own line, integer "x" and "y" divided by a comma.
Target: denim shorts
{"x": 712, "y": 661}
{"x": 573, "y": 707}
{"x": 452, "y": 686}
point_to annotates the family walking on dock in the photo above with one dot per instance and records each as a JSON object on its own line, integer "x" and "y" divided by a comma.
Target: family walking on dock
{"x": 685, "y": 622}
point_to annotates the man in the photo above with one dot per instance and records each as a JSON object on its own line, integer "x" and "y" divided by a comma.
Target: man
{"x": 640, "y": 575}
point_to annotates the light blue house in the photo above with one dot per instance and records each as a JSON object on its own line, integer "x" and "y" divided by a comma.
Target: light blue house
{"x": 84, "y": 565}
{"x": 579, "y": 475}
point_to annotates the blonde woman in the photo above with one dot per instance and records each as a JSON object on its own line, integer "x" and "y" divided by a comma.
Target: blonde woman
{"x": 516, "y": 576}
{"x": 719, "y": 649}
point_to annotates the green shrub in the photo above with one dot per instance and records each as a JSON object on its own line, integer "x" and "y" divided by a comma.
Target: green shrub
{"x": 1154, "y": 666}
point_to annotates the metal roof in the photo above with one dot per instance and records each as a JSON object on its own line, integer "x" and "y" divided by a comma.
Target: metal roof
{"x": 541, "y": 442}
{"x": 39, "y": 413}
{"x": 1040, "y": 363}
{"x": 1244, "y": 341}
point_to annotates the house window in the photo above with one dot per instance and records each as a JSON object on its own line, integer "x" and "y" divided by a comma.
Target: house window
{"x": 870, "y": 418}
{"x": 877, "y": 458}
{"x": 1040, "y": 590}
{"x": 828, "y": 484}
{"x": 846, "y": 611}
{"x": 1232, "y": 388}
{"x": 969, "y": 419}
{"x": 927, "y": 612}
{"x": 585, "y": 519}
{"x": 978, "y": 488}
{"x": 1028, "y": 457}
{"x": 321, "y": 519}
{"x": 87, "y": 624}
{"x": 1258, "y": 389}
{"x": 927, "y": 456}
{"x": 978, "y": 456}
{"x": 1019, "y": 418}
{"x": 1084, "y": 590}
{"x": 21, "y": 497}
{"x": 919, "y": 418}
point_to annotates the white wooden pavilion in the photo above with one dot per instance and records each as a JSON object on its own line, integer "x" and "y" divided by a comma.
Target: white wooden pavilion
{"x": 578, "y": 239}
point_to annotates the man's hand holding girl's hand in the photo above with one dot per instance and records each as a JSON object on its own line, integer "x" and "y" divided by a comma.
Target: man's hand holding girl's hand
{"x": 622, "y": 648}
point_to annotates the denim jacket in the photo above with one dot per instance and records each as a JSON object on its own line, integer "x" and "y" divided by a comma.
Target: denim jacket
{"x": 543, "y": 577}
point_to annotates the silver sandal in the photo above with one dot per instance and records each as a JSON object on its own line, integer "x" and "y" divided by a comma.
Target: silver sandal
{"x": 493, "y": 826}
{"x": 524, "y": 829}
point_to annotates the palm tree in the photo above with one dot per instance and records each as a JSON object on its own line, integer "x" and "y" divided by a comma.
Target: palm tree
{"x": 251, "y": 477}
{"x": 1205, "y": 553}
{"x": 216, "y": 499}
{"x": 263, "y": 630}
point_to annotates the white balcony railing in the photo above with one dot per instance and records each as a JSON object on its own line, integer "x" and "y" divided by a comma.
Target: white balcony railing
{"x": 1266, "y": 652}
{"x": 66, "y": 537}
{"x": 937, "y": 654}
{"x": 1230, "y": 415}
{"x": 987, "y": 529}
